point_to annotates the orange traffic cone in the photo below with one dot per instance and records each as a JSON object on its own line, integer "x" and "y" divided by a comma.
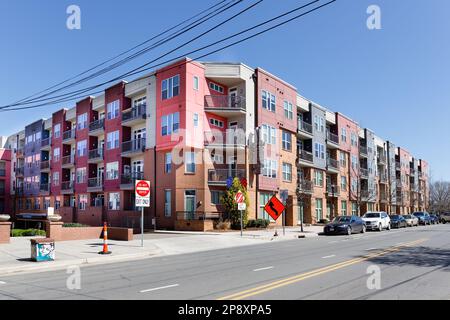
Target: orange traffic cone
{"x": 105, "y": 240}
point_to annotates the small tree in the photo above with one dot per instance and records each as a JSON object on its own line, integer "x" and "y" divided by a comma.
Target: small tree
{"x": 231, "y": 207}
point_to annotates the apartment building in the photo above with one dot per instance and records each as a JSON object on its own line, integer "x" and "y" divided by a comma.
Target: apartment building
{"x": 5, "y": 182}
{"x": 180, "y": 127}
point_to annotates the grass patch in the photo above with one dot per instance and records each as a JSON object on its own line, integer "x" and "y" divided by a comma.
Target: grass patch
{"x": 27, "y": 233}
{"x": 74, "y": 225}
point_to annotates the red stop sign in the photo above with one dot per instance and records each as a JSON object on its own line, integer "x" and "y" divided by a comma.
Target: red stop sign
{"x": 142, "y": 188}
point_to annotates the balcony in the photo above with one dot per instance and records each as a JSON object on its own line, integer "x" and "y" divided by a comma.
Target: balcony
{"x": 332, "y": 165}
{"x": 305, "y": 187}
{"x": 382, "y": 159}
{"x": 44, "y": 189}
{"x": 383, "y": 198}
{"x": 134, "y": 115}
{"x": 224, "y": 142}
{"x": 69, "y": 136}
{"x": 95, "y": 184}
{"x": 67, "y": 187}
{"x": 219, "y": 177}
{"x": 46, "y": 144}
{"x": 97, "y": 127}
{"x": 128, "y": 180}
{"x": 364, "y": 173}
{"x": 398, "y": 166}
{"x": 20, "y": 153}
{"x": 133, "y": 147}
{"x": 333, "y": 191}
{"x": 305, "y": 157}
{"x": 95, "y": 156}
{"x": 332, "y": 139}
{"x": 383, "y": 179}
{"x": 225, "y": 106}
{"x": 367, "y": 196}
{"x": 20, "y": 171}
{"x": 68, "y": 161}
{"x": 45, "y": 166}
{"x": 412, "y": 171}
{"x": 363, "y": 151}
{"x": 304, "y": 129}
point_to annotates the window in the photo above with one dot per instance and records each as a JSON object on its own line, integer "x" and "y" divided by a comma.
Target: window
{"x": 55, "y": 177}
{"x": 46, "y": 203}
{"x": 342, "y": 159}
{"x": 171, "y": 87}
{"x": 344, "y": 135}
{"x": 216, "y": 196}
{"x": 195, "y": 120}
{"x": 288, "y": 111}
{"x": 319, "y": 151}
{"x": 268, "y": 101}
{"x": 343, "y": 207}
{"x": 167, "y": 203}
{"x": 354, "y": 185}
{"x": 112, "y": 140}
{"x": 196, "y": 83}
{"x": 270, "y": 168}
{"x": 217, "y": 158}
{"x": 216, "y": 123}
{"x": 170, "y": 124}
{"x": 81, "y": 175}
{"x": 319, "y": 123}
{"x": 112, "y": 171}
{"x": 216, "y": 87}
{"x": 287, "y": 172}
{"x": 141, "y": 102}
{"x": 344, "y": 183}
{"x": 263, "y": 199}
{"x": 57, "y": 131}
{"x": 354, "y": 140}
{"x": 269, "y": 134}
{"x": 287, "y": 140}
{"x": 113, "y": 109}
{"x": 37, "y": 204}
{"x": 82, "y": 202}
{"x": 319, "y": 209}
{"x": 56, "y": 154}
{"x": 189, "y": 162}
{"x": 354, "y": 208}
{"x": 114, "y": 201}
{"x": 81, "y": 148}
{"x": 354, "y": 162}
{"x": 168, "y": 163}
{"x": 82, "y": 121}
{"x": 318, "y": 178}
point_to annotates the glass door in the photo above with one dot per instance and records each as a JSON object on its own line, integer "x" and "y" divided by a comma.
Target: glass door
{"x": 189, "y": 204}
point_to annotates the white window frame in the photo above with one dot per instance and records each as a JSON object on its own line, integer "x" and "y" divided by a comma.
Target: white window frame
{"x": 167, "y": 203}
{"x": 288, "y": 110}
{"x": 170, "y": 87}
{"x": 269, "y": 101}
{"x": 196, "y": 83}
{"x": 113, "y": 109}
{"x": 287, "y": 172}
{"x": 112, "y": 140}
{"x": 112, "y": 170}
{"x": 82, "y": 121}
{"x": 189, "y": 159}
{"x": 82, "y": 148}
{"x": 114, "y": 201}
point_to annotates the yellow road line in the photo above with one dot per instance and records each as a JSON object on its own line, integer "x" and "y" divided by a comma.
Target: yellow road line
{"x": 283, "y": 282}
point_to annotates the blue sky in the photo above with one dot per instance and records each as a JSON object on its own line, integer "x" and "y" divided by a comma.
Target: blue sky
{"x": 394, "y": 81}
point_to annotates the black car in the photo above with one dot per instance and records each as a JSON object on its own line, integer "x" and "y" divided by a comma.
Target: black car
{"x": 345, "y": 225}
{"x": 398, "y": 221}
{"x": 434, "y": 219}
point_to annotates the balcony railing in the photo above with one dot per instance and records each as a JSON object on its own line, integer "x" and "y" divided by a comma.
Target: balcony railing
{"x": 412, "y": 171}
{"x": 96, "y": 154}
{"x": 46, "y": 142}
{"x": 45, "y": 187}
{"x": 305, "y": 186}
{"x": 305, "y": 156}
{"x": 130, "y": 178}
{"x": 20, "y": 152}
{"x": 135, "y": 113}
{"x": 137, "y": 145}
{"x": 383, "y": 178}
{"x": 68, "y": 135}
{"x": 332, "y": 163}
{"x": 45, "y": 165}
{"x": 68, "y": 160}
{"x": 304, "y": 126}
{"x": 67, "y": 186}
{"x": 363, "y": 150}
{"x": 333, "y": 190}
{"x": 229, "y": 103}
{"x": 221, "y": 176}
{"x": 97, "y": 125}
{"x": 382, "y": 158}
{"x": 398, "y": 165}
{"x": 95, "y": 182}
{"x": 383, "y": 197}
{"x": 20, "y": 171}
{"x": 333, "y": 138}
{"x": 364, "y": 172}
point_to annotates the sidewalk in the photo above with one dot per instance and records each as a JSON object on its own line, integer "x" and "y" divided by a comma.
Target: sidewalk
{"x": 15, "y": 257}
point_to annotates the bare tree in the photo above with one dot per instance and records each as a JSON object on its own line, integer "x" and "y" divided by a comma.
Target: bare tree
{"x": 358, "y": 194}
{"x": 439, "y": 196}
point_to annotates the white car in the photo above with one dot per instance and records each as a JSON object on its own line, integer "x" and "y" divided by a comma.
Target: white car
{"x": 411, "y": 220}
{"x": 377, "y": 221}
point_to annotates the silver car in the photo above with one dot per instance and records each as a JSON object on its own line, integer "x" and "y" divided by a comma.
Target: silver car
{"x": 411, "y": 220}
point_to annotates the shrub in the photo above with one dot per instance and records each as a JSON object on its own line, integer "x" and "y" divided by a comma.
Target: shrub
{"x": 325, "y": 221}
{"x": 230, "y": 205}
{"x": 74, "y": 225}
{"x": 258, "y": 223}
{"x": 223, "y": 225}
{"x": 27, "y": 233}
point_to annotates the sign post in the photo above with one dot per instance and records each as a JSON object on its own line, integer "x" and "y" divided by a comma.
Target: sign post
{"x": 142, "y": 189}
{"x": 240, "y": 200}
{"x": 274, "y": 208}
{"x": 284, "y": 194}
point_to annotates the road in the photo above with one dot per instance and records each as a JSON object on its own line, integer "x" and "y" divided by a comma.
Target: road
{"x": 414, "y": 263}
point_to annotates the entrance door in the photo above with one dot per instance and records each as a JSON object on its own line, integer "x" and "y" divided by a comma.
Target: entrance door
{"x": 189, "y": 204}
{"x": 234, "y": 103}
{"x": 138, "y": 169}
{"x": 100, "y": 173}
{"x": 139, "y": 139}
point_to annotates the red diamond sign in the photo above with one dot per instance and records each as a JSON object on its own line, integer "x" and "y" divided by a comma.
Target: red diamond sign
{"x": 274, "y": 208}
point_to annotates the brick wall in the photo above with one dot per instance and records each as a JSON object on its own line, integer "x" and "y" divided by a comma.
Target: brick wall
{"x": 56, "y": 231}
{"x": 5, "y": 231}
{"x": 194, "y": 225}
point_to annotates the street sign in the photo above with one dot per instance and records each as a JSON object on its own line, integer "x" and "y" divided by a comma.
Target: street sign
{"x": 142, "y": 188}
{"x": 274, "y": 208}
{"x": 239, "y": 197}
{"x": 242, "y": 206}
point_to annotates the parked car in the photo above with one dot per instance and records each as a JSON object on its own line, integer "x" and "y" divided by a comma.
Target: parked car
{"x": 345, "y": 225}
{"x": 411, "y": 220}
{"x": 424, "y": 217}
{"x": 397, "y": 221}
{"x": 445, "y": 217}
{"x": 434, "y": 219}
{"x": 377, "y": 221}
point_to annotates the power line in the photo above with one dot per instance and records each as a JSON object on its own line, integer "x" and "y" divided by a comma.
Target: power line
{"x": 199, "y": 57}
{"x": 187, "y": 28}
